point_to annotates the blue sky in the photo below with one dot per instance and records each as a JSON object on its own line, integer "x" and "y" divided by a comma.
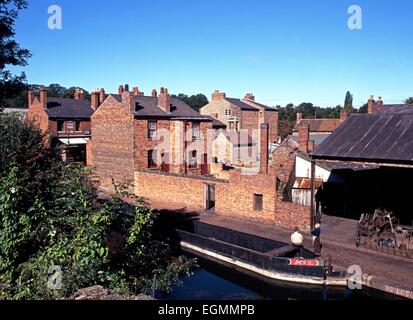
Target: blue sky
{"x": 281, "y": 50}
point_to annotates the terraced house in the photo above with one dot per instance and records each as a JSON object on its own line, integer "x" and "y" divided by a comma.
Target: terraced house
{"x": 66, "y": 121}
{"x": 165, "y": 148}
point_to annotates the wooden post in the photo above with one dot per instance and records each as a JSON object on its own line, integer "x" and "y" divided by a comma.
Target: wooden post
{"x": 312, "y": 222}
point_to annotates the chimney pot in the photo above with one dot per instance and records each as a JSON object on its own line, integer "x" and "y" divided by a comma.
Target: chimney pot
{"x": 154, "y": 93}
{"x": 164, "y": 100}
{"x": 127, "y": 87}
{"x": 303, "y": 137}
{"x": 218, "y": 95}
{"x": 94, "y": 100}
{"x": 299, "y": 117}
{"x": 343, "y": 115}
{"x": 30, "y": 96}
{"x": 136, "y": 91}
{"x": 102, "y": 96}
{"x": 370, "y": 105}
{"x": 121, "y": 89}
{"x": 249, "y": 96}
{"x": 43, "y": 97}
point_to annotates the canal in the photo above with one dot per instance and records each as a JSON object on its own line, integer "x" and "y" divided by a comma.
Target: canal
{"x": 216, "y": 282}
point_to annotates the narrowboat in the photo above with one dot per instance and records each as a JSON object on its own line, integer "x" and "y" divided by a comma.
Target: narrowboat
{"x": 268, "y": 259}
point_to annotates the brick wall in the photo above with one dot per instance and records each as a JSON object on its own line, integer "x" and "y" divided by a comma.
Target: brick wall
{"x": 291, "y": 215}
{"x": 84, "y": 125}
{"x": 112, "y": 143}
{"x": 38, "y": 114}
{"x": 250, "y": 120}
{"x": 218, "y": 107}
{"x": 234, "y": 196}
{"x": 271, "y": 117}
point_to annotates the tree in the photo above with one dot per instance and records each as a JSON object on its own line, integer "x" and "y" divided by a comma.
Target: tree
{"x": 51, "y": 215}
{"x": 196, "y": 102}
{"x": 348, "y": 102}
{"x": 409, "y": 101}
{"x": 10, "y": 51}
{"x": 363, "y": 108}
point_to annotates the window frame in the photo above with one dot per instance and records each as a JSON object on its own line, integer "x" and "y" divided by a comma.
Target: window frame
{"x": 62, "y": 122}
{"x": 258, "y": 202}
{"x": 70, "y": 125}
{"x": 152, "y": 131}
{"x": 78, "y": 126}
{"x": 152, "y": 164}
{"x": 196, "y": 133}
{"x": 192, "y": 160}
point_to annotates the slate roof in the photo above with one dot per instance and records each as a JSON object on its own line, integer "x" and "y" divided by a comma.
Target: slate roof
{"x": 319, "y": 125}
{"x": 371, "y": 138}
{"x": 147, "y": 107}
{"x": 317, "y": 138}
{"x": 63, "y": 108}
{"x": 248, "y": 106}
{"x": 393, "y": 108}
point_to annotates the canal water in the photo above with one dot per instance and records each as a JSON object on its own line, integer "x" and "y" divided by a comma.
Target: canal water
{"x": 215, "y": 282}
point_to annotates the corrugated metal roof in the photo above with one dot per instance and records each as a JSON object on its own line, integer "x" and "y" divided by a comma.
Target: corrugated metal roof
{"x": 305, "y": 183}
{"x": 371, "y": 137}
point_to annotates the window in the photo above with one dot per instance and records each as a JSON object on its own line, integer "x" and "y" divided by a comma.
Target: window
{"x": 227, "y": 112}
{"x": 192, "y": 159}
{"x": 152, "y": 159}
{"x": 152, "y": 129}
{"x": 258, "y": 202}
{"x": 195, "y": 130}
{"x": 60, "y": 125}
{"x": 70, "y": 125}
{"x": 78, "y": 126}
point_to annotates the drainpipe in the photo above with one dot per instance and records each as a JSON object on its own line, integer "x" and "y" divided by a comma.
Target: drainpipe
{"x": 312, "y": 210}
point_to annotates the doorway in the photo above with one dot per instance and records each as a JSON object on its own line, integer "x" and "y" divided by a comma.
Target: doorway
{"x": 209, "y": 197}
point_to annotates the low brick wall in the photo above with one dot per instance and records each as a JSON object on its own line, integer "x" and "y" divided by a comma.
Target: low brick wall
{"x": 233, "y": 197}
{"x": 291, "y": 215}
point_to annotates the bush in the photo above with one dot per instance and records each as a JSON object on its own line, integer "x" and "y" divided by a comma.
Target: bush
{"x": 51, "y": 218}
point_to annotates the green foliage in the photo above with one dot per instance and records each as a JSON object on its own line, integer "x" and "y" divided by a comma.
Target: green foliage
{"x": 10, "y": 52}
{"x": 348, "y": 102}
{"x": 194, "y": 101}
{"x": 409, "y": 100}
{"x": 51, "y": 215}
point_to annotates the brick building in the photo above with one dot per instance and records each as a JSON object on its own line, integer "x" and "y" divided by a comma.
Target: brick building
{"x": 246, "y": 113}
{"x": 66, "y": 121}
{"x": 165, "y": 148}
{"x": 157, "y": 132}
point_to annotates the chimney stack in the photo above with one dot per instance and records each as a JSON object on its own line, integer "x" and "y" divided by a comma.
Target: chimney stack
{"x": 370, "y": 107}
{"x": 249, "y": 96}
{"x": 43, "y": 97}
{"x": 343, "y": 115}
{"x": 164, "y": 100}
{"x": 303, "y": 137}
{"x": 129, "y": 99}
{"x": 121, "y": 90}
{"x": 30, "y": 96}
{"x": 154, "y": 93}
{"x": 94, "y": 99}
{"x": 102, "y": 96}
{"x": 379, "y": 104}
{"x": 218, "y": 95}
{"x": 264, "y": 137}
{"x": 79, "y": 94}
